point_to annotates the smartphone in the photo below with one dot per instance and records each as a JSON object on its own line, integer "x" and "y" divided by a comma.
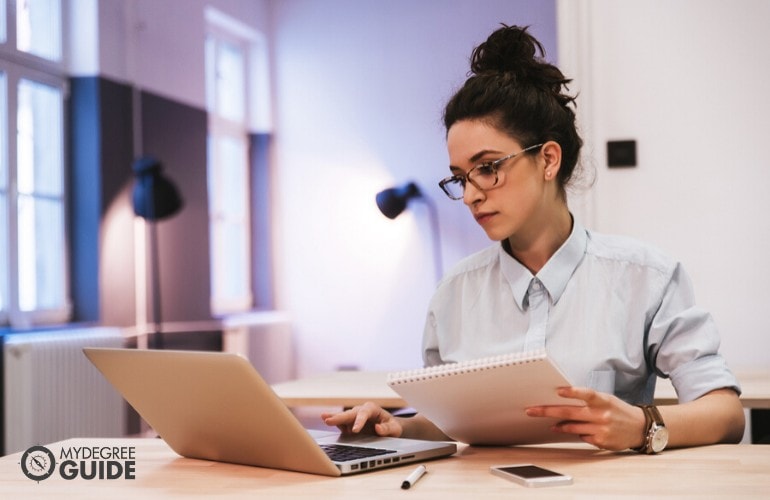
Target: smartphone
{"x": 530, "y": 475}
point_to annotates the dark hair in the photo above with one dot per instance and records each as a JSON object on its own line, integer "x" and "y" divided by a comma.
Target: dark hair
{"x": 521, "y": 94}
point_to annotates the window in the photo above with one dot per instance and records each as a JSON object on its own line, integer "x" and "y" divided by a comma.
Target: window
{"x": 33, "y": 238}
{"x": 38, "y": 28}
{"x": 228, "y": 103}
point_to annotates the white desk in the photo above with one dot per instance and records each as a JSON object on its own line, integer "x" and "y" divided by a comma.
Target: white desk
{"x": 343, "y": 388}
{"x": 350, "y": 388}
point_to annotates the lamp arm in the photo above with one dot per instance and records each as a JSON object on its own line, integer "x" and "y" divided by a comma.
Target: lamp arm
{"x": 157, "y": 334}
{"x": 436, "y": 234}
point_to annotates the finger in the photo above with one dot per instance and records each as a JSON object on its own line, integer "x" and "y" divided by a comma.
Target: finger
{"x": 596, "y": 435}
{"x": 535, "y": 411}
{"x": 579, "y": 428}
{"x": 389, "y": 429}
{"x": 558, "y": 412}
{"x": 364, "y": 414}
{"x": 590, "y": 396}
{"x": 337, "y": 418}
{"x": 343, "y": 420}
{"x": 590, "y": 439}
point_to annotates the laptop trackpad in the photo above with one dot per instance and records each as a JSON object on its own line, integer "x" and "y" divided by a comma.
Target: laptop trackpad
{"x": 323, "y": 437}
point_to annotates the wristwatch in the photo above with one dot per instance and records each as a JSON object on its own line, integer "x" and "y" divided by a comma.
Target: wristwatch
{"x": 655, "y": 432}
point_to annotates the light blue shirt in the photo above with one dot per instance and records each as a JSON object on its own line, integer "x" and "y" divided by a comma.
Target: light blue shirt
{"x": 612, "y": 312}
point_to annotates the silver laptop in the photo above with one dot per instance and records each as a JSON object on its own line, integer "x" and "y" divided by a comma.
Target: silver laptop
{"x": 215, "y": 406}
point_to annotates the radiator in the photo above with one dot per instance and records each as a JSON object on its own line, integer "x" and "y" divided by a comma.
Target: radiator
{"x": 52, "y": 392}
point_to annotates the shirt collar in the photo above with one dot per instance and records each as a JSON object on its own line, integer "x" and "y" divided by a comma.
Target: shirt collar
{"x": 556, "y": 272}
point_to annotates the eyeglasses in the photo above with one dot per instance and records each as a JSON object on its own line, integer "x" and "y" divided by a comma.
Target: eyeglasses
{"x": 484, "y": 176}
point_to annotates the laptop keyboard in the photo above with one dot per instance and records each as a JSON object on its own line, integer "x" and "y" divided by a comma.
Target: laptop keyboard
{"x": 344, "y": 453}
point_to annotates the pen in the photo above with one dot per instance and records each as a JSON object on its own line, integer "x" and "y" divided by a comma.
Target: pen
{"x": 413, "y": 477}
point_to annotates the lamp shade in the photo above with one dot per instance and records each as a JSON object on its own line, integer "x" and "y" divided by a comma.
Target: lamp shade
{"x": 155, "y": 197}
{"x": 393, "y": 201}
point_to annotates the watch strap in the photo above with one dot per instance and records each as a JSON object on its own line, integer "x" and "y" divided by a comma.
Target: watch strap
{"x": 655, "y": 415}
{"x": 648, "y": 419}
{"x": 654, "y": 426}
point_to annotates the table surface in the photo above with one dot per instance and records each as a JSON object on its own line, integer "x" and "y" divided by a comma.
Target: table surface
{"x": 342, "y": 388}
{"x": 350, "y": 388}
{"x": 721, "y": 471}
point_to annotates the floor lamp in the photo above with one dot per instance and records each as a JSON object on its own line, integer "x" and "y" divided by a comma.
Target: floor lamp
{"x": 393, "y": 201}
{"x": 154, "y": 198}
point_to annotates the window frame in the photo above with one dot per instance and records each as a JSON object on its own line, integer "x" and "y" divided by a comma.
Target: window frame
{"x": 17, "y": 65}
{"x": 225, "y": 30}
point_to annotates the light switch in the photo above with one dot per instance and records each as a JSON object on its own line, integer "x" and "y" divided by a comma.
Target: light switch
{"x": 621, "y": 154}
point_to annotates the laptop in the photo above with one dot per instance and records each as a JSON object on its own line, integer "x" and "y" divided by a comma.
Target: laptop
{"x": 216, "y": 406}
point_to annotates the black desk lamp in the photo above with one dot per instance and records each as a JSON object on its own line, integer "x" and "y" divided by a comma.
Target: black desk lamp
{"x": 154, "y": 198}
{"x": 393, "y": 201}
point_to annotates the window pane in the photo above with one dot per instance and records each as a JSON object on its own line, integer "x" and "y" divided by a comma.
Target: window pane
{"x": 230, "y": 235}
{"x": 227, "y": 61}
{"x": 40, "y": 203}
{"x": 230, "y": 82}
{"x": 39, "y": 139}
{"x": 3, "y": 23}
{"x": 41, "y": 257}
{"x": 230, "y": 247}
{"x": 232, "y": 177}
{"x": 3, "y": 250}
{"x": 3, "y": 191}
{"x": 235, "y": 285}
{"x": 3, "y": 135}
{"x": 38, "y": 28}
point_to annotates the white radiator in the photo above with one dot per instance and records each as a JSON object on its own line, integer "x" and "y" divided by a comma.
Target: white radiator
{"x": 52, "y": 392}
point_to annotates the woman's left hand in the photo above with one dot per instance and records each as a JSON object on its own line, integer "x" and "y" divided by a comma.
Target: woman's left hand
{"x": 605, "y": 421}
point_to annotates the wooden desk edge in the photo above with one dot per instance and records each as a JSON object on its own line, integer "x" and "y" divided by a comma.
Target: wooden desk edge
{"x": 756, "y": 395}
{"x": 346, "y": 402}
{"x": 342, "y": 401}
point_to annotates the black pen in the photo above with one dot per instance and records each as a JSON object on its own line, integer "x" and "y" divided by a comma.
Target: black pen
{"x": 413, "y": 477}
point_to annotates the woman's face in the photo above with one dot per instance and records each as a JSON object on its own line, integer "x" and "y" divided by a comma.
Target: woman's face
{"x": 517, "y": 206}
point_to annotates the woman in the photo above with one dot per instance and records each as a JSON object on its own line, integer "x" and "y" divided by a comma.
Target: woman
{"x": 612, "y": 312}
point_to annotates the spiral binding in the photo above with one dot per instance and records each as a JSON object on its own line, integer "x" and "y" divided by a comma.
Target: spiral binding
{"x": 474, "y": 365}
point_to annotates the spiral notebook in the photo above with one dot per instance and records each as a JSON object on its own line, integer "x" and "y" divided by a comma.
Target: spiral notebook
{"x": 483, "y": 401}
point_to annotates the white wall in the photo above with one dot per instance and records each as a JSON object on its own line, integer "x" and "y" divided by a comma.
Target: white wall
{"x": 688, "y": 80}
{"x": 359, "y": 91}
{"x": 159, "y": 45}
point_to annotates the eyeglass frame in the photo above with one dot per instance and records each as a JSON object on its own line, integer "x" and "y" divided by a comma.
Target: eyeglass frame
{"x": 494, "y": 165}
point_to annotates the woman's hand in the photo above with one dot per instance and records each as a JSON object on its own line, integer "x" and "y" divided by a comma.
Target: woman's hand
{"x": 367, "y": 418}
{"x": 605, "y": 421}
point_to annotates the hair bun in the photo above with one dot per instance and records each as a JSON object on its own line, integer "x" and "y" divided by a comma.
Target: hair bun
{"x": 517, "y": 56}
{"x": 509, "y": 49}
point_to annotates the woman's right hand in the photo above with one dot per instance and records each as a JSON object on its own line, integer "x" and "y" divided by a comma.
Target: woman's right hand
{"x": 367, "y": 418}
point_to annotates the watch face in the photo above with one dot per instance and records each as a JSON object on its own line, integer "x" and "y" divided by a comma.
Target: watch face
{"x": 659, "y": 439}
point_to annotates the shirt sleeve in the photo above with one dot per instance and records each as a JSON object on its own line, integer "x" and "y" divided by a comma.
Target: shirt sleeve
{"x": 683, "y": 343}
